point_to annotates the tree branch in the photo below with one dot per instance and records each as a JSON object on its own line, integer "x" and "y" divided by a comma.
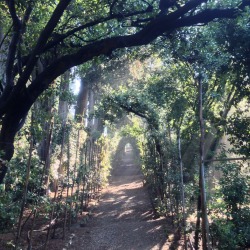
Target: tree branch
{"x": 23, "y": 29}
{"x": 158, "y": 22}
{"x": 157, "y": 27}
{"x": 106, "y": 46}
{"x": 207, "y": 16}
{"x": 26, "y": 16}
{"x": 131, "y": 110}
{"x": 13, "y": 14}
{"x": 60, "y": 38}
{"x": 21, "y": 98}
{"x": 13, "y": 44}
{"x": 42, "y": 40}
{"x": 6, "y": 34}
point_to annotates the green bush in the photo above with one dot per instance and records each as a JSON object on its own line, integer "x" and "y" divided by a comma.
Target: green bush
{"x": 230, "y": 234}
{"x": 9, "y": 211}
{"x": 230, "y": 228}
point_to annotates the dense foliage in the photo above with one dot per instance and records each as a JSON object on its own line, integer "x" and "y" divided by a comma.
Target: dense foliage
{"x": 156, "y": 72}
{"x": 165, "y": 97}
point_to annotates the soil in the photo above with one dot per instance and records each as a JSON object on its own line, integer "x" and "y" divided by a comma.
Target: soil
{"x": 122, "y": 218}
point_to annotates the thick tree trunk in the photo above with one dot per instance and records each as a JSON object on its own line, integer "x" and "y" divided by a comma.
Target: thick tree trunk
{"x": 82, "y": 101}
{"x": 63, "y": 111}
{"x": 12, "y": 122}
{"x": 91, "y": 121}
{"x": 63, "y": 107}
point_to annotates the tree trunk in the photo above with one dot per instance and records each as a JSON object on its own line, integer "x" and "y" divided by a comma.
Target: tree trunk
{"x": 12, "y": 122}
{"x": 198, "y": 223}
{"x": 63, "y": 111}
{"x": 25, "y": 190}
{"x": 182, "y": 189}
{"x": 47, "y": 155}
{"x": 2, "y": 59}
{"x": 205, "y": 226}
{"x": 82, "y": 100}
{"x": 63, "y": 108}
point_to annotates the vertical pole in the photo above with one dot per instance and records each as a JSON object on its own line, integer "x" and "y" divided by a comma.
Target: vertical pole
{"x": 205, "y": 228}
{"x": 25, "y": 190}
{"x": 182, "y": 190}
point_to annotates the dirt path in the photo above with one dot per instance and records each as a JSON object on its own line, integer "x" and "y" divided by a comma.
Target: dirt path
{"x": 123, "y": 219}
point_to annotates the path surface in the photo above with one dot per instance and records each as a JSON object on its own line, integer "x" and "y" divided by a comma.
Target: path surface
{"x": 123, "y": 219}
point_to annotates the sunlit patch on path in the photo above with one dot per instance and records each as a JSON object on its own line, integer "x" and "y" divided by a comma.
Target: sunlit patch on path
{"x": 123, "y": 219}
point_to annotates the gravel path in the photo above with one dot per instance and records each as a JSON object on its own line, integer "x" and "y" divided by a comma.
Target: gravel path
{"x": 123, "y": 219}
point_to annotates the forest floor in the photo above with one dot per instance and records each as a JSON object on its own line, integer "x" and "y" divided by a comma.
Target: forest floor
{"x": 124, "y": 217}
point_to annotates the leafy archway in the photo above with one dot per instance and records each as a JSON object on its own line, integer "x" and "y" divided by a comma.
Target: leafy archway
{"x": 120, "y": 150}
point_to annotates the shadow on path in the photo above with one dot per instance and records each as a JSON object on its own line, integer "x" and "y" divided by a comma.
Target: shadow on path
{"x": 124, "y": 218}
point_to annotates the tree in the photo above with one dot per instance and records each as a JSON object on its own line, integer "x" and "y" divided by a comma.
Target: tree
{"x": 75, "y": 33}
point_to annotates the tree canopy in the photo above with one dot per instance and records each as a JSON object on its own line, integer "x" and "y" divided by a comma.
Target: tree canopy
{"x": 171, "y": 75}
{"x": 43, "y": 39}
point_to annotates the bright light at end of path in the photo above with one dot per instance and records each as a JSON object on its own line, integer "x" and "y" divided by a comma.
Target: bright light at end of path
{"x": 75, "y": 87}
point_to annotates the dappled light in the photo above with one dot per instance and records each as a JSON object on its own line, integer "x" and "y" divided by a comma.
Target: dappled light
{"x": 124, "y": 124}
{"x": 125, "y": 209}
